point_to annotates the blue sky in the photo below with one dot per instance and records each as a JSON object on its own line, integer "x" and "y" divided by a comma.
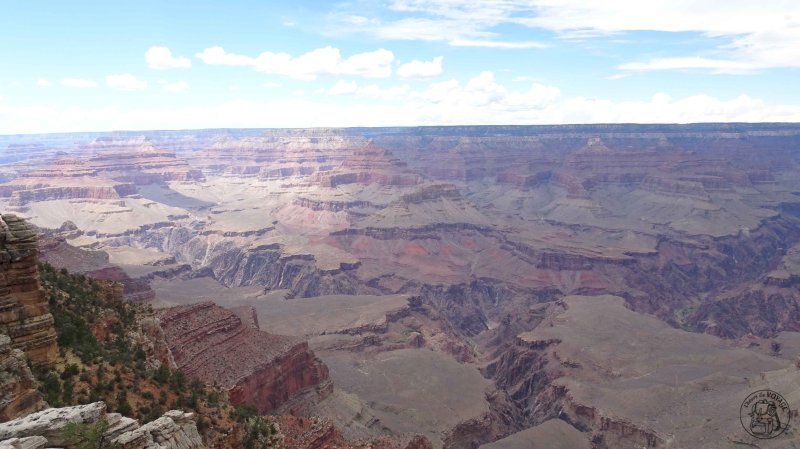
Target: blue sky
{"x": 103, "y": 65}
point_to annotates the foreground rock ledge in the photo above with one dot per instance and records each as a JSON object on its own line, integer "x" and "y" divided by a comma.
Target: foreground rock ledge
{"x": 174, "y": 430}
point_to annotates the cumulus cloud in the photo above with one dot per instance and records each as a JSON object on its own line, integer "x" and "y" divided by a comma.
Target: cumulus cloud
{"x": 421, "y": 69}
{"x": 43, "y": 82}
{"x": 78, "y": 82}
{"x": 343, "y": 87}
{"x": 308, "y": 66}
{"x": 176, "y": 86}
{"x": 125, "y": 81}
{"x": 217, "y": 55}
{"x": 160, "y": 58}
{"x": 370, "y": 91}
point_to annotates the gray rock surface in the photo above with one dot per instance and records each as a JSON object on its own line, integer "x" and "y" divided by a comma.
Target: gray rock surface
{"x": 174, "y": 430}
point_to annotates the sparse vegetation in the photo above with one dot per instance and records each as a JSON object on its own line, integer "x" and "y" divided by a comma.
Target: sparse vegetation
{"x": 87, "y": 436}
{"x": 108, "y": 365}
{"x": 258, "y": 432}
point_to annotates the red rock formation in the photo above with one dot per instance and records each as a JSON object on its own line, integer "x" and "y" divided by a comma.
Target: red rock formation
{"x": 279, "y": 154}
{"x": 23, "y": 307}
{"x": 138, "y": 161}
{"x": 18, "y": 393}
{"x": 369, "y": 165}
{"x": 316, "y": 433}
{"x": 273, "y": 372}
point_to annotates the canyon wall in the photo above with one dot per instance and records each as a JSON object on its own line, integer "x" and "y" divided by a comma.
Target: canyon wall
{"x": 23, "y": 306}
{"x": 18, "y": 393}
{"x": 488, "y": 228}
{"x": 212, "y": 344}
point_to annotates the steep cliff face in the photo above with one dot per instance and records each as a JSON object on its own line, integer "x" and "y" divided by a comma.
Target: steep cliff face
{"x": 275, "y": 373}
{"x": 23, "y": 306}
{"x": 18, "y": 393}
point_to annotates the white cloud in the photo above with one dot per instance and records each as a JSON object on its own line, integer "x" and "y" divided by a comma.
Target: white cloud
{"x": 421, "y": 69}
{"x": 479, "y": 100}
{"x": 176, "y": 86}
{"x": 125, "y": 81}
{"x": 43, "y": 82}
{"x": 78, "y": 82}
{"x": 373, "y": 64}
{"x": 217, "y": 55}
{"x": 308, "y": 66}
{"x": 384, "y": 93}
{"x": 370, "y": 91}
{"x": 343, "y": 87}
{"x": 160, "y": 58}
{"x": 451, "y": 110}
{"x": 483, "y": 91}
{"x": 755, "y": 35}
{"x": 272, "y": 84}
{"x": 497, "y": 44}
{"x": 694, "y": 62}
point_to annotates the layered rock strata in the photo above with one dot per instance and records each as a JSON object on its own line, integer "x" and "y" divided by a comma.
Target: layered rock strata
{"x": 18, "y": 393}
{"x": 24, "y": 316}
{"x": 274, "y": 372}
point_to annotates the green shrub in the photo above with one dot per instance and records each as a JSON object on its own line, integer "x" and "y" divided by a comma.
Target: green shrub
{"x": 87, "y": 436}
{"x": 244, "y": 411}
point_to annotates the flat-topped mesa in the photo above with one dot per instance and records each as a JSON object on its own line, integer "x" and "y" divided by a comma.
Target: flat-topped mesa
{"x": 370, "y": 165}
{"x": 62, "y": 178}
{"x": 239, "y": 157}
{"x": 278, "y": 153}
{"x": 24, "y": 314}
{"x": 212, "y": 344}
{"x": 138, "y": 161}
{"x": 433, "y": 192}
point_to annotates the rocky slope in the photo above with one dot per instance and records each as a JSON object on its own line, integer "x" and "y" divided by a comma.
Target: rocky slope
{"x": 57, "y": 252}
{"x": 275, "y": 373}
